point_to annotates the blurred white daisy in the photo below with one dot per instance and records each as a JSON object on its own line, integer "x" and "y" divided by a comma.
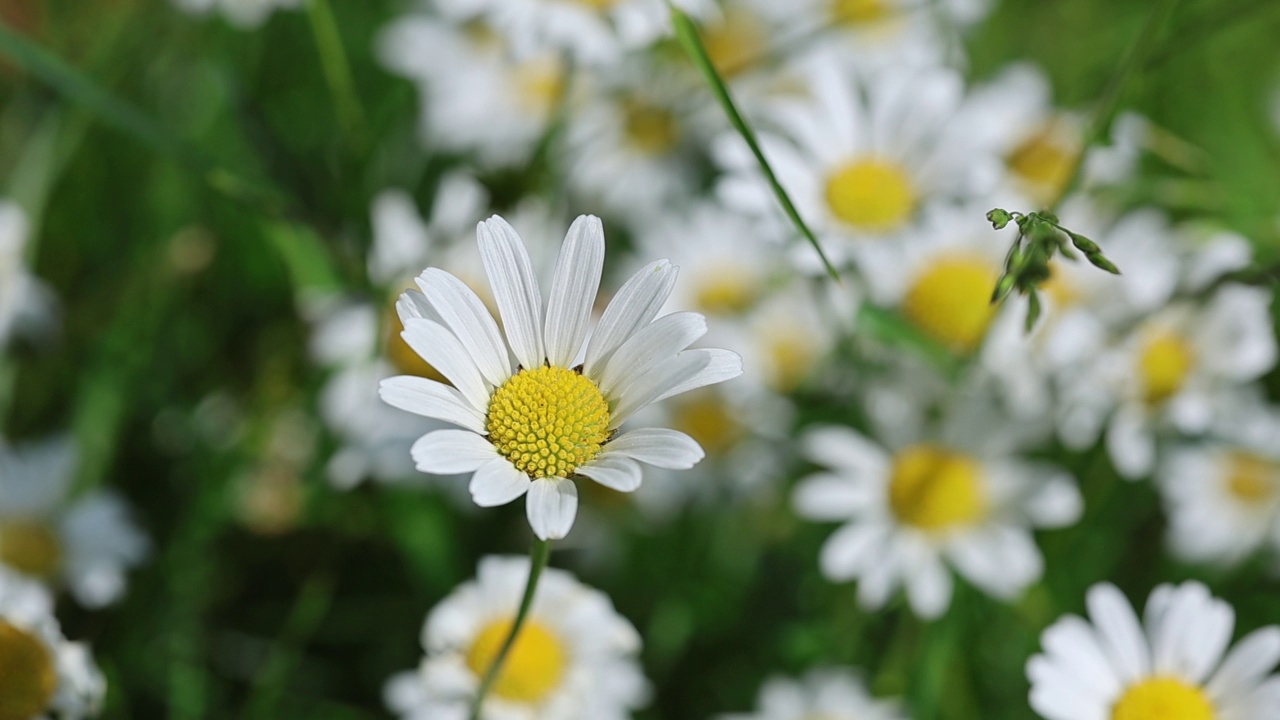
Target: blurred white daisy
{"x": 44, "y": 675}
{"x": 823, "y": 694}
{"x": 475, "y": 96}
{"x": 574, "y": 659}
{"x": 245, "y": 14}
{"x": 1223, "y": 494}
{"x": 554, "y": 416}
{"x": 86, "y": 542}
{"x": 863, "y": 154}
{"x": 1172, "y": 665}
{"x": 920, "y": 501}
{"x": 25, "y": 302}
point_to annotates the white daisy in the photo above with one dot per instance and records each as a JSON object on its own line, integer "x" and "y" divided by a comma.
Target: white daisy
{"x": 1173, "y": 665}
{"x": 823, "y": 694}
{"x": 44, "y": 675}
{"x": 25, "y": 302}
{"x": 574, "y": 659}
{"x": 534, "y": 426}
{"x": 245, "y": 14}
{"x": 1223, "y": 494}
{"x": 862, "y": 154}
{"x": 86, "y": 542}
{"x": 921, "y": 501}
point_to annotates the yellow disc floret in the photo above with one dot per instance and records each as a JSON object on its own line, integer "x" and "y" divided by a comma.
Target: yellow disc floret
{"x": 27, "y": 675}
{"x": 934, "y": 488}
{"x": 858, "y": 12}
{"x": 1252, "y": 479}
{"x": 1164, "y": 364}
{"x": 872, "y": 195}
{"x": 650, "y": 129}
{"x": 706, "y": 416}
{"x": 548, "y": 421}
{"x": 30, "y": 547}
{"x": 533, "y": 668}
{"x": 1045, "y": 162}
{"x": 1162, "y": 698}
{"x": 951, "y": 300}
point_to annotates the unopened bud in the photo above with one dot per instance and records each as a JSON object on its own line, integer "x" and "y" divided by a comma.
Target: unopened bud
{"x": 999, "y": 218}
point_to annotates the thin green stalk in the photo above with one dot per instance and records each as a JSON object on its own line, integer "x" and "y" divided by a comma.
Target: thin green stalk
{"x": 337, "y": 69}
{"x": 1133, "y": 61}
{"x": 539, "y": 554}
{"x": 687, "y": 34}
{"x": 308, "y": 610}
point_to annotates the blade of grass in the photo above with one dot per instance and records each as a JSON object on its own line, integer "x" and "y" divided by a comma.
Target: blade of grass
{"x": 337, "y": 70}
{"x": 687, "y": 34}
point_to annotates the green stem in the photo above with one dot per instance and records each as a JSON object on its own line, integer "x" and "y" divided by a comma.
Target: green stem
{"x": 308, "y": 611}
{"x": 1133, "y": 61}
{"x": 687, "y": 34}
{"x": 538, "y": 557}
{"x": 337, "y": 69}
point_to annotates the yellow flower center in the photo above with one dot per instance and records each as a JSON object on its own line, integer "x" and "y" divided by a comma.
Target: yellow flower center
{"x": 650, "y": 129}
{"x": 951, "y": 300}
{"x": 871, "y": 195}
{"x": 30, "y": 546}
{"x": 1164, "y": 364}
{"x": 858, "y": 12}
{"x": 534, "y": 667}
{"x": 1044, "y": 162}
{"x": 934, "y": 488}
{"x": 1161, "y": 698}
{"x": 1252, "y": 479}
{"x": 596, "y": 4}
{"x": 401, "y": 356}
{"x": 731, "y": 291}
{"x": 791, "y": 353}
{"x": 548, "y": 421}
{"x": 540, "y": 82}
{"x": 707, "y": 418}
{"x": 735, "y": 42}
{"x": 27, "y": 675}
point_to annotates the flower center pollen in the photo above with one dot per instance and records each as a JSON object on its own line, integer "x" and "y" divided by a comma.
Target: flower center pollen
{"x": 858, "y": 12}
{"x": 706, "y": 417}
{"x": 548, "y": 421}
{"x": 951, "y": 301}
{"x": 1044, "y": 162}
{"x": 1164, "y": 364}
{"x": 934, "y": 488}
{"x": 534, "y": 667}
{"x": 31, "y": 547}
{"x": 871, "y": 195}
{"x": 27, "y": 676}
{"x": 1252, "y": 479}
{"x": 650, "y": 129}
{"x": 1162, "y": 698}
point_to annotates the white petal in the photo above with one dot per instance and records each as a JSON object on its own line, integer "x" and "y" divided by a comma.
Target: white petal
{"x": 929, "y": 587}
{"x": 613, "y": 471}
{"x": 573, "y": 290}
{"x": 1057, "y": 503}
{"x": 431, "y": 399}
{"x": 830, "y": 497}
{"x": 1074, "y": 645}
{"x": 466, "y": 316}
{"x": 635, "y": 305}
{"x": 851, "y": 549}
{"x": 498, "y": 482}
{"x": 841, "y": 448}
{"x": 1247, "y": 664}
{"x": 551, "y": 505}
{"x": 443, "y": 351}
{"x": 659, "y": 447}
{"x": 515, "y": 288}
{"x": 1119, "y": 632}
{"x": 721, "y": 365}
{"x": 1130, "y": 443}
{"x": 448, "y": 452}
{"x": 650, "y": 386}
{"x": 658, "y": 341}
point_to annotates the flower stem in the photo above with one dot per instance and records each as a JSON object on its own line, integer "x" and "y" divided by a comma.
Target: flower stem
{"x": 539, "y": 554}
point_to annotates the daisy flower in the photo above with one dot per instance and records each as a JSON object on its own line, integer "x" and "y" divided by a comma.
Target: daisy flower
{"x": 44, "y": 674}
{"x": 574, "y": 659}
{"x": 1223, "y": 494}
{"x": 245, "y": 14}
{"x": 827, "y": 693}
{"x": 1172, "y": 665}
{"x": 86, "y": 542}
{"x": 535, "y": 425}
{"x": 25, "y": 302}
{"x": 920, "y": 501}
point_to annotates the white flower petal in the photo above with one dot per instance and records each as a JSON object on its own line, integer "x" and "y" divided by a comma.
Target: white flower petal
{"x": 448, "y": 452}
{"x": 842, "y": 448}
{"x": 851, "y": 550}
{"x": 431, "y": 399}
{"x": 826, "y": 496}
{"x": 1247, "y": 664}
{"x": 654, "y": 343}
{"x": 552, "y": 505}
{"x": 721, "y": 365}
{"x": 1073, "y": 644}
{"x": 443, "y": 351}
{"x": 613, "y": 471}
{"x": 573, "y": 290}
{"x": 929, "y": 587}
{"x": 515, "y": 289}
{"x": 1119, "y": 632}
{"x": 659, "y": 447}
{"x": 498, "y": 482}
{"x": 466, "y": 316}
{"x": 650, "y": 386}
{"x": 635, "y": 305}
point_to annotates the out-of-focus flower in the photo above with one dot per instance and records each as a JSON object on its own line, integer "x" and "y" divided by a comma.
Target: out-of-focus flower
{"x": 86, "y": 542}
{"x": 574, "y": 659}
{"x": 44, "y": 674}
{"x": 1172, "y": 665}
{"x": 825, "y": 694}
{"x": 921, "y": 501}
{"x": 1223, "y": 494}
{"x": 25, "y": 302}
{"x": 245, "y": 14}
{"x": 555, "y": 415}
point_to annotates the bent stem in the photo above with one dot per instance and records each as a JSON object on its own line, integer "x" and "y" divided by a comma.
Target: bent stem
{"x": 539, "y": 554}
